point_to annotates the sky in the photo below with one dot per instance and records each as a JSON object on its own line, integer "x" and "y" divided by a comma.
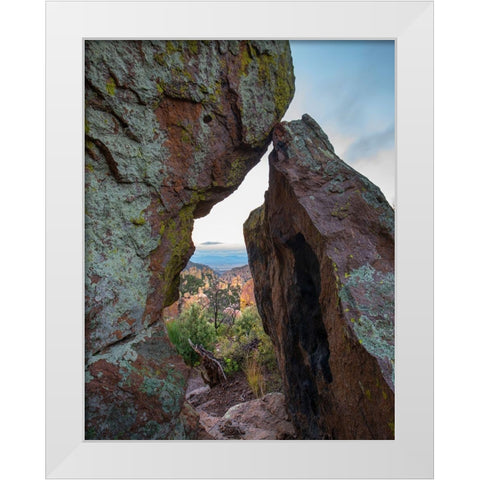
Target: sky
{"x": 348, "y": 87}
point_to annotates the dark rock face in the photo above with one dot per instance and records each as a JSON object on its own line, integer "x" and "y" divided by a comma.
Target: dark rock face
{"x": 171, "y": 128}
{"x": 321, "y": 251}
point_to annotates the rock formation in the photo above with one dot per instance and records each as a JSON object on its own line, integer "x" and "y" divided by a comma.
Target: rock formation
{"x": 321, "y": 251}
{"x": 261, "y": 419}
{"x": 171, "y": 128}
{"x": 247, "y": 296}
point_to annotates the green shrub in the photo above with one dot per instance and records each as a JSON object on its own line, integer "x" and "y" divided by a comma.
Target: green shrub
{"x": 190, "y": 284}
{"x": 247, "y": 321}
{"x": 191, "y": 324}
{"x": 245, "y": 339}
{"x": 230, "y": 366}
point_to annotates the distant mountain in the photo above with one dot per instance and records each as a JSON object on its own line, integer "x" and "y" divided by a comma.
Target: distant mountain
{"x": 211, "y": 243}
{"x": 200, "y": 266}
{"x": 199, "y": 282}
{"x": 241, "y": 272}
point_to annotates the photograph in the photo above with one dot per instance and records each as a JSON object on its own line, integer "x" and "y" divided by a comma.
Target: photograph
{"x": 239, "y": 239}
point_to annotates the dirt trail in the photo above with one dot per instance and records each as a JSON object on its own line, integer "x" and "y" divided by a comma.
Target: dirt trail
{"x": 251, "y": 419}
{"x": 217, "y": 400}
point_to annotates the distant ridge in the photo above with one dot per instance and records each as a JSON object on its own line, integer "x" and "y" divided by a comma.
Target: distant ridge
{"x": 211, "y": 243}
{"x": 243, "y": 272}
{"x": 200, "y": 266}
{"x": 226, "y": 275}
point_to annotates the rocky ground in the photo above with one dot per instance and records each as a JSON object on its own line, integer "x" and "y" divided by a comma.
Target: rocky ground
{"x": 230, "y": 411}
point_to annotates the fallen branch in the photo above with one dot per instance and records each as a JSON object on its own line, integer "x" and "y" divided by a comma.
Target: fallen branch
{"x": 213, "y": 367}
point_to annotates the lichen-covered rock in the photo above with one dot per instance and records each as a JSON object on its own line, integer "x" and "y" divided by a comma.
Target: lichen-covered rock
{"x": 171, "y": 128}
{"x": 321, "y": 251}
{"x": 134, "y": 390}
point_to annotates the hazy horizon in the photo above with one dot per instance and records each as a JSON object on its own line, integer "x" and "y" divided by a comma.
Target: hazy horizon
{"x": 221, "y": 256}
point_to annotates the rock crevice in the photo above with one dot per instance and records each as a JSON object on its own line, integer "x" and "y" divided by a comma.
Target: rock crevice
{"x": 321, "y": 251}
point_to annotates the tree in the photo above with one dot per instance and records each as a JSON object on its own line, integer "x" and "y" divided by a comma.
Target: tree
{"x": 224, "y": 304}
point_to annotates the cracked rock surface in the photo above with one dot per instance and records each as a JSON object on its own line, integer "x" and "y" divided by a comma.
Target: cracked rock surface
{"x": 171, "y": 128}
{"x": 321, "y": 252}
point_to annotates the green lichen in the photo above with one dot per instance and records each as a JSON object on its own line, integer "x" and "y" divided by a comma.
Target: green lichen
{"x": 167, "y": 391}
{"x": 236, "y": 172}
{"x": 170, "y": 47}
{"x": 245, "y": 59}
{"x": 159, "y": 58}
{"x": 255, "y": 220}
{"x": 177, "y": 232}
{"x": 270, "y": 71}
{"x": 139, "y": 221}
{"x": 284, "y": 85}
{"x": 185, "y": 137}
{"x": 110, "y": 86}
{"x": 192, "y": 47}
{"x": 371, "y": 294}
{"x": 341, "y": 210}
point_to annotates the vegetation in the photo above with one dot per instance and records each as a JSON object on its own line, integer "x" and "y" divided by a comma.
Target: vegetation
{"x": 191, "y": 324}
{"x": 240, "y": 344}
{"x": 190, "y": 283}
{"x": 255, "y": 376}
{"x": 210, "y": 316}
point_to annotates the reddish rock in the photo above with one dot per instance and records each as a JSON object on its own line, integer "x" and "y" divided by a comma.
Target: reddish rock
{"x": 263, "y": 419}
{"x": 247, "y": 296}
{"x": 321, "y": 251}
{"x": 171, "y": 311}
{"x": 171, "y": 128}
{"x": 134, "y": 390}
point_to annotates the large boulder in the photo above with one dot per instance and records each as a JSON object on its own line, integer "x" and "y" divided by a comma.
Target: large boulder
{"x": 171, "y": 128}
{"x": 321, "y": 251}
{"x": 262, "y": 419}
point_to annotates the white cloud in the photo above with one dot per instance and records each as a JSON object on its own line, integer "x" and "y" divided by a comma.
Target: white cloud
{"x": 380, "y": 169}
{"x": 341, "y": 142}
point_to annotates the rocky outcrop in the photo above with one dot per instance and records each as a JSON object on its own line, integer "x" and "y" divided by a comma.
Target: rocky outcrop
{"x": 171, "y": 128}
{"x": 263, "y": 419}
{"x": 247, "y": 296}
{"x": 321, "y": 251}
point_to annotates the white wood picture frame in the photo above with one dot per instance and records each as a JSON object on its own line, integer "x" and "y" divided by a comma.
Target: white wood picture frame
{"x": 410, "y": 24}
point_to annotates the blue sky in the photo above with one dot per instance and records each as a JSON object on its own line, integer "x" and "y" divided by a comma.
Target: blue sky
{"x": 348, "y": 87}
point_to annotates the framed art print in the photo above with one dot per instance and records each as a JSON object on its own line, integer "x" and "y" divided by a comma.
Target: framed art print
{"x": 239, "y": 207}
